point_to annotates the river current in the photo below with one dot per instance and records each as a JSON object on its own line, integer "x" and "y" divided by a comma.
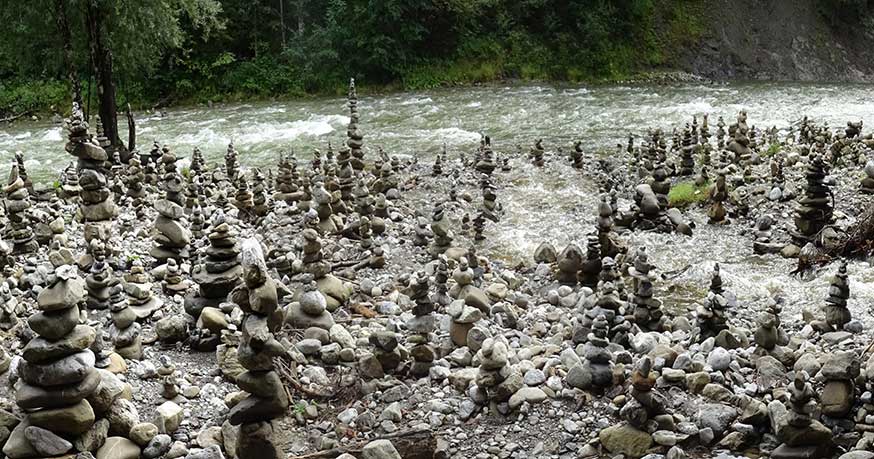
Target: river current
{"x": 556, "y": 203}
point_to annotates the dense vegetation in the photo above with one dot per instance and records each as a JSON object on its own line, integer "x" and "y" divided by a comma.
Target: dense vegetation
{"x": 197, "y": 50}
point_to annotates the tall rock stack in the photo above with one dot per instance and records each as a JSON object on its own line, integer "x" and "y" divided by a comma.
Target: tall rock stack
{"x": 243, "y": 199}
{"x": 232, "y": 165}
{"x": 647, "y": 310}
{"x": 98, "y": 280}
{"x": 836, "y": 312}
{"x": 268, "y": 399}
{"x": 96, "y": 204}
{"x": 814, "y": 209}
{"x": 355, "y": 138}
{"x": 57, "y": 373}
{"x": 739, "y": 141}
{"x": 259, "y": 194}
{"x": 536, "y": 153}
{"x": 286, "y": 180}
{"x": 125, "y": 331}
{"x": 70, "y": 187}
{"x": 134, "y": 183}
{"x": 19, "y": 231}
{"x": 577, "y": 155}
{"x": 687, "y": 150}
{"x": 440, "y": 227}
{"x": 220, "y": 271}
{"x": 138, "y": 287}
{"x": 22, "y": 171}
{"x": 421, "y": 325}
{"x": 172, "y": 236}
{"x": 803, "y": 436}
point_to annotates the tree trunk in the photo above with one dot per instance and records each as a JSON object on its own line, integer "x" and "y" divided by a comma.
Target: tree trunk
{"x": 131, "y": 135}
{"x": 282, "y": 21}
{"x": 64, "y": 31}
{"x": 101, "y": 58}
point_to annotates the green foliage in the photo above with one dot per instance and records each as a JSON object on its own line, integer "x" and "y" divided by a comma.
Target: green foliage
{"x": 198, "y": 50}
{"x": 772, "y": 150}
{"x": 684, "y": 194}
{"x": 31, "y": 96}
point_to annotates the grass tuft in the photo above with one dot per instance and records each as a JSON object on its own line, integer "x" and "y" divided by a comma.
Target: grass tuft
{"x": 684, "y": 194}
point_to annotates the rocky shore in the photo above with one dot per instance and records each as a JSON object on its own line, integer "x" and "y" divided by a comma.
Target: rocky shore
{"x": 348, "y": 304}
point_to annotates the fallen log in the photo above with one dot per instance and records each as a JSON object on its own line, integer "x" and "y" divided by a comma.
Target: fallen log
{"x": 12, "y": 118}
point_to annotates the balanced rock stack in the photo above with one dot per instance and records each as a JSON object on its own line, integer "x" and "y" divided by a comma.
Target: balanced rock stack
{"x": 219, "y": 271}
{"x": 814, "y": 209}
{"x": 440, "y": 228}
{"x": 172, "y": 237}
{"x": 645, "y": 403}
{"x": 839, "y": 393}
{"x": 718, "y": 195}
{"x": 739, "y": 141}
{"x": 19, "y": 231}
{"x": 138, "y": 286}
{"x": 486, "y": 163}
{"x": 836, "y": 312}
{"x": 687, "y": 151}
{"x": 70, "y": 188}
{"x": 57, "y": 373}
{"x": 647, "y": 310}
{"x": 259, "y": 194}
{"x": 98, "y": 280}
{"x": 314, "y": 263}
{"x": 607, "y": 304}
{"x": 497, "y": 380}
{"x": 355, "y": 140}
{"x": 463, "y": 318}
{"x": 712, "y": 314}
{"x": 97, "y": 204}
{"x": 286, "y": 180}
{"x": 802, "y": 436}
{"x": 536, "y": 153}
{"x": 232, "y": 165}
{"x": 421, "y": 325}
{"x": 125, "y": 331}
{"x": 268, "y": 400}
{"x": 386, "y": 350}
{"x": 310, "y": 310}
{"x": 591, "y": 268}
{"x": 596, "y": 371}
{"x": 243, "y": 199}
{"x": 577, "y": 155}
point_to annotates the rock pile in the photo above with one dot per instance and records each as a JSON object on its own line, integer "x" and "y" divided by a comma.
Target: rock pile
{"x": 138, "y": 286}
{"x": 814, "y": 210}
{"x": 219, "y": 272}
{"x": 836, "y": 312}
{"x": 421, "y": 325}
{"x": 17, "y": 200}
{"x": 267, "y": 399}
{"x": 57, "y": 373}
{"x": 172, "y": 235}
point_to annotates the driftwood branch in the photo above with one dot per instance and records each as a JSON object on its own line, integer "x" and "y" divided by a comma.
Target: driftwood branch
{"x": 12, "y": 118}
{"x": 411, "y": 444}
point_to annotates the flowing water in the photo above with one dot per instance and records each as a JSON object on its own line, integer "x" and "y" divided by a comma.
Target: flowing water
{"x": 556, "y": 203}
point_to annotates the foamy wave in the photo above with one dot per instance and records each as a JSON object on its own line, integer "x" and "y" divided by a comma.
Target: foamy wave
{"x": 53, "y": 135}
{"x": 416, "y": 101}
{"x": 455, "y": 135}
{"x": 316, "y": 125}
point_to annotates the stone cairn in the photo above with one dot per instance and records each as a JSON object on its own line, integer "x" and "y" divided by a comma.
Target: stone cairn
{"x": 355, "y": 139}
{"x": 647, "y": 310}
{"x": 70, "y": 187}
{"x": 577, "y": 155}
{"x": 440, "y": 228}
{"x": 19, "y": 230}
{"x": 803, "y": 436}
{"x": 644, "y": 403}
{"x": 718, "y": 195}
{"x": 836, "y": 312}
{"x": 311, "y": 308}
{"x": 739, "y": 141}
{"x": 839, "y": 393}
{"x": 536, "y": 153}
{"x": 220, "y": 270}
{"x": 138, "y": 287}
{"x": 97, "y": 204}
{"x": 591, "y": 268}
{"x": 57, "y": 373}
{"x": 172, "y": 236}
{"x": 134, "y": 183}
{"x": 596, "y": 370}
{"x": 497, "y": 380}
{"x": 712, "y": 314}
{"x": 243, "y": 199}
{"x": 232, "y": 164}
{"x": 437, "y": 168}
{"x": 814, "y": 210}
{"x": 486, "y": 163}
{"x": 268, "y": 400}
{"x": 463, "y": 318}
{"x": 125, "y": 331}
{"x": 99, "y": 278}
{"x": 421, "y": 325}
{"x": 286, "y": 180}
{"x": 687, "y": 152}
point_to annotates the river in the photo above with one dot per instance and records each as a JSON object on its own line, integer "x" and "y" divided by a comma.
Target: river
{"x": 555, "y": 203}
